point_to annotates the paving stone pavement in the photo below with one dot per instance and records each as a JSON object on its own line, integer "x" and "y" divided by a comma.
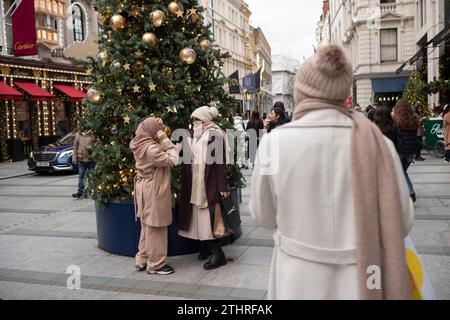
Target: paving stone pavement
{"x": 43, "y": 231}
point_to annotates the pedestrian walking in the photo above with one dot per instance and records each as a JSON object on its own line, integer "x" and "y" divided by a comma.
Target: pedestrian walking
{"x": 383, "y": 119}
{"x": 447, "y": 133}
{"x": 203, "y": 185}
{"x": 275, "y": 119}
{"x": 240, "y": 134}
{"x": 328, "y": 241}
{"x": 154, "y": 154}
{"x": 255, "y": 123}
{"x": 407, "y": 123}
{"x": 420, "y": 133}
{"x": 82, "y": 157}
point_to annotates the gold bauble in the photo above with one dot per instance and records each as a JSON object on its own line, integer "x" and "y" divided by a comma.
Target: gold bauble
{"x": 117, "y": 22}
{"x": 94, "y": 95}
{"x": 188, "y": 55}
{"x": 204, "y": 44}
{"x": 174, "y": 7}
{"x": 150, "y": 39}
{"x": 157, "y": 17}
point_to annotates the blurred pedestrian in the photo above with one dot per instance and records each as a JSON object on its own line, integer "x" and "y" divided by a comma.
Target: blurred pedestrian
{"x": 357, "y": 108}
{"x": 154, "y": 154}
{"x": 280, "y": 105}
{"x": 255, "y": 123}
{"x": 203, "y": 184}
{"x": 275, "y": 119}
{"x": 240, "y": 134}
{"x": 446, "y": 114}
{"x": 420, "y": 133}
{"x": 383, "y": 119}
{"x": 82, "y": 157}
{"x": 328, "y": 240}
{"x": 407, "y": 123}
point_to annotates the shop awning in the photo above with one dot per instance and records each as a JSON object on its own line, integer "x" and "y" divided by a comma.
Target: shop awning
{"x": 36, "y": 92}
{"x": 73, "y": 94}
{"x": 442, "y": 36}
{"x": 389, "y": 84}
{"x": 8, "y": 93}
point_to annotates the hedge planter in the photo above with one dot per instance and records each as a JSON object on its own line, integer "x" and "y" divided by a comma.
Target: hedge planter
{"x": 118, "y": 232}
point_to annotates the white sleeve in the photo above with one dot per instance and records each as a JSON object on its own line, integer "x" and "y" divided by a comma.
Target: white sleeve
{"x": 405, "y": 199}
{"x": 262, "y": 204}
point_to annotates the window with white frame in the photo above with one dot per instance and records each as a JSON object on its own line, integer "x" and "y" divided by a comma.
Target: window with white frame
{"x": 388, "y": 45}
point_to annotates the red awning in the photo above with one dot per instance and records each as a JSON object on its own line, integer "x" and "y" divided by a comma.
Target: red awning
{"x": 36, "y": 92}
{"x": 8, "y": 93}
{"x": 74, "y": 94}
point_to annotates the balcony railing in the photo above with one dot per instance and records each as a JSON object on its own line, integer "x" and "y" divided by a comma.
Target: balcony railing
{"x": 388, "y": 7}
{"x": 45, "y": 35}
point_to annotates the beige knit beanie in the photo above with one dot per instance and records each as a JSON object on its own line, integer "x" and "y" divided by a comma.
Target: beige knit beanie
{"x": 328, "y": 75}
{"x": 205, "y": 113}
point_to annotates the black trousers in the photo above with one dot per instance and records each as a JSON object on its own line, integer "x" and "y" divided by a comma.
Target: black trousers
{"x": 447, "y": 155}
{"x": 419, "y": 146}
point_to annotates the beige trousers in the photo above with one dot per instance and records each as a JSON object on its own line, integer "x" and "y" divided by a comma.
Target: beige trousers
{"x": 152, "y": 247}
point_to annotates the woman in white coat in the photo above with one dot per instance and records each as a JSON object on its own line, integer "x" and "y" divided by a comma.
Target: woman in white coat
{"x": 332, "y": 187}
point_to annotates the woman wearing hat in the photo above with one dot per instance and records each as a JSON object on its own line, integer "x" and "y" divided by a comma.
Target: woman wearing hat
{"x": 204, "y": 182}
{"x": 155, "y": 154}
{"x": 331, "y": 243}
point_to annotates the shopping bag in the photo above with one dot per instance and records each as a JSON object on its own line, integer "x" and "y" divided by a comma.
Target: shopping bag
{"x": 420, "y": 284}
{"x": 230, "y": 215}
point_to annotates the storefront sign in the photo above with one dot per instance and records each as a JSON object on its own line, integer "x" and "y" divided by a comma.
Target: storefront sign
{"x": 24, "y": 29}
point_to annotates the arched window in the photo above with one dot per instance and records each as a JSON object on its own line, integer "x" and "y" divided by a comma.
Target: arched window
{"x": 78, "y": 23}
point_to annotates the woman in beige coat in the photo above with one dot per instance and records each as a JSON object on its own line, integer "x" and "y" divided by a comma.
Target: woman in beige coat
{"x": 155, "y": 154}
{"x": 333, "y": 190}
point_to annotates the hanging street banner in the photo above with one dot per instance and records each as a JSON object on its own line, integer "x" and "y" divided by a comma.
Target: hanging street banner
{"x": 234, "y": 85}
{"x": 24, "y": 29}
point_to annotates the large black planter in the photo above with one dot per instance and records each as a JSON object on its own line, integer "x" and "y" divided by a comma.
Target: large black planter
{"x": 118, "y": 232}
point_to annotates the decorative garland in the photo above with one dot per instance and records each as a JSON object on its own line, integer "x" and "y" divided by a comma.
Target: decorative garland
{"x": 4, "y": 146}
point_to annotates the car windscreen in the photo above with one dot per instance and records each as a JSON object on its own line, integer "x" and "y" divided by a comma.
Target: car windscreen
{"x": 67, "y": 140}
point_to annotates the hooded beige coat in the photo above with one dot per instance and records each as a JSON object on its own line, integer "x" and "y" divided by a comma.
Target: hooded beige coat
{"x": 152, "y": 184}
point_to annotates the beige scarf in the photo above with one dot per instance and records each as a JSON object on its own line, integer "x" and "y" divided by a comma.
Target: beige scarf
{"x": 380, "y": 230}
{"x": 199, "y": 148}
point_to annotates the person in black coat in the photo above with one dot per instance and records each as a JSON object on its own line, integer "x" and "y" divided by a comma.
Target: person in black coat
{"x": 407, "y": 123}
{"x": 383, "y": 119}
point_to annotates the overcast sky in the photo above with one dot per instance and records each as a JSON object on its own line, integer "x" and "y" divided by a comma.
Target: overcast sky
{"x": 289, "y": 25}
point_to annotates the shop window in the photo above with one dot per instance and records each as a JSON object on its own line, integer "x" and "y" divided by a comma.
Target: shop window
{"x": 61, "y": 118}
{"x": 23, "y": 125}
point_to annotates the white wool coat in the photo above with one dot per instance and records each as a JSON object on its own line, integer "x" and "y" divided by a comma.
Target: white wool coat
{"x": 307, "y": 199}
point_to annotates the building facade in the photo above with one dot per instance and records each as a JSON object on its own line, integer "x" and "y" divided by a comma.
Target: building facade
{"x": 65, "y": 31}
{"x": 283, "y": 74}
{"x": 230, "y": 23}
{"x": 262, "y": 55}
{"x": 432, "y": 39}
{"x": 378, "y": 36}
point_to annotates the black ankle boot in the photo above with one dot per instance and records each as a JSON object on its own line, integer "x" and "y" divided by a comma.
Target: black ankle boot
{"x": 218, "y": 257}
{"x": 206, "y": 251}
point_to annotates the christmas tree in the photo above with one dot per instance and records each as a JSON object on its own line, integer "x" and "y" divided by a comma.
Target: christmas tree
{"x": 156, "y": 58}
